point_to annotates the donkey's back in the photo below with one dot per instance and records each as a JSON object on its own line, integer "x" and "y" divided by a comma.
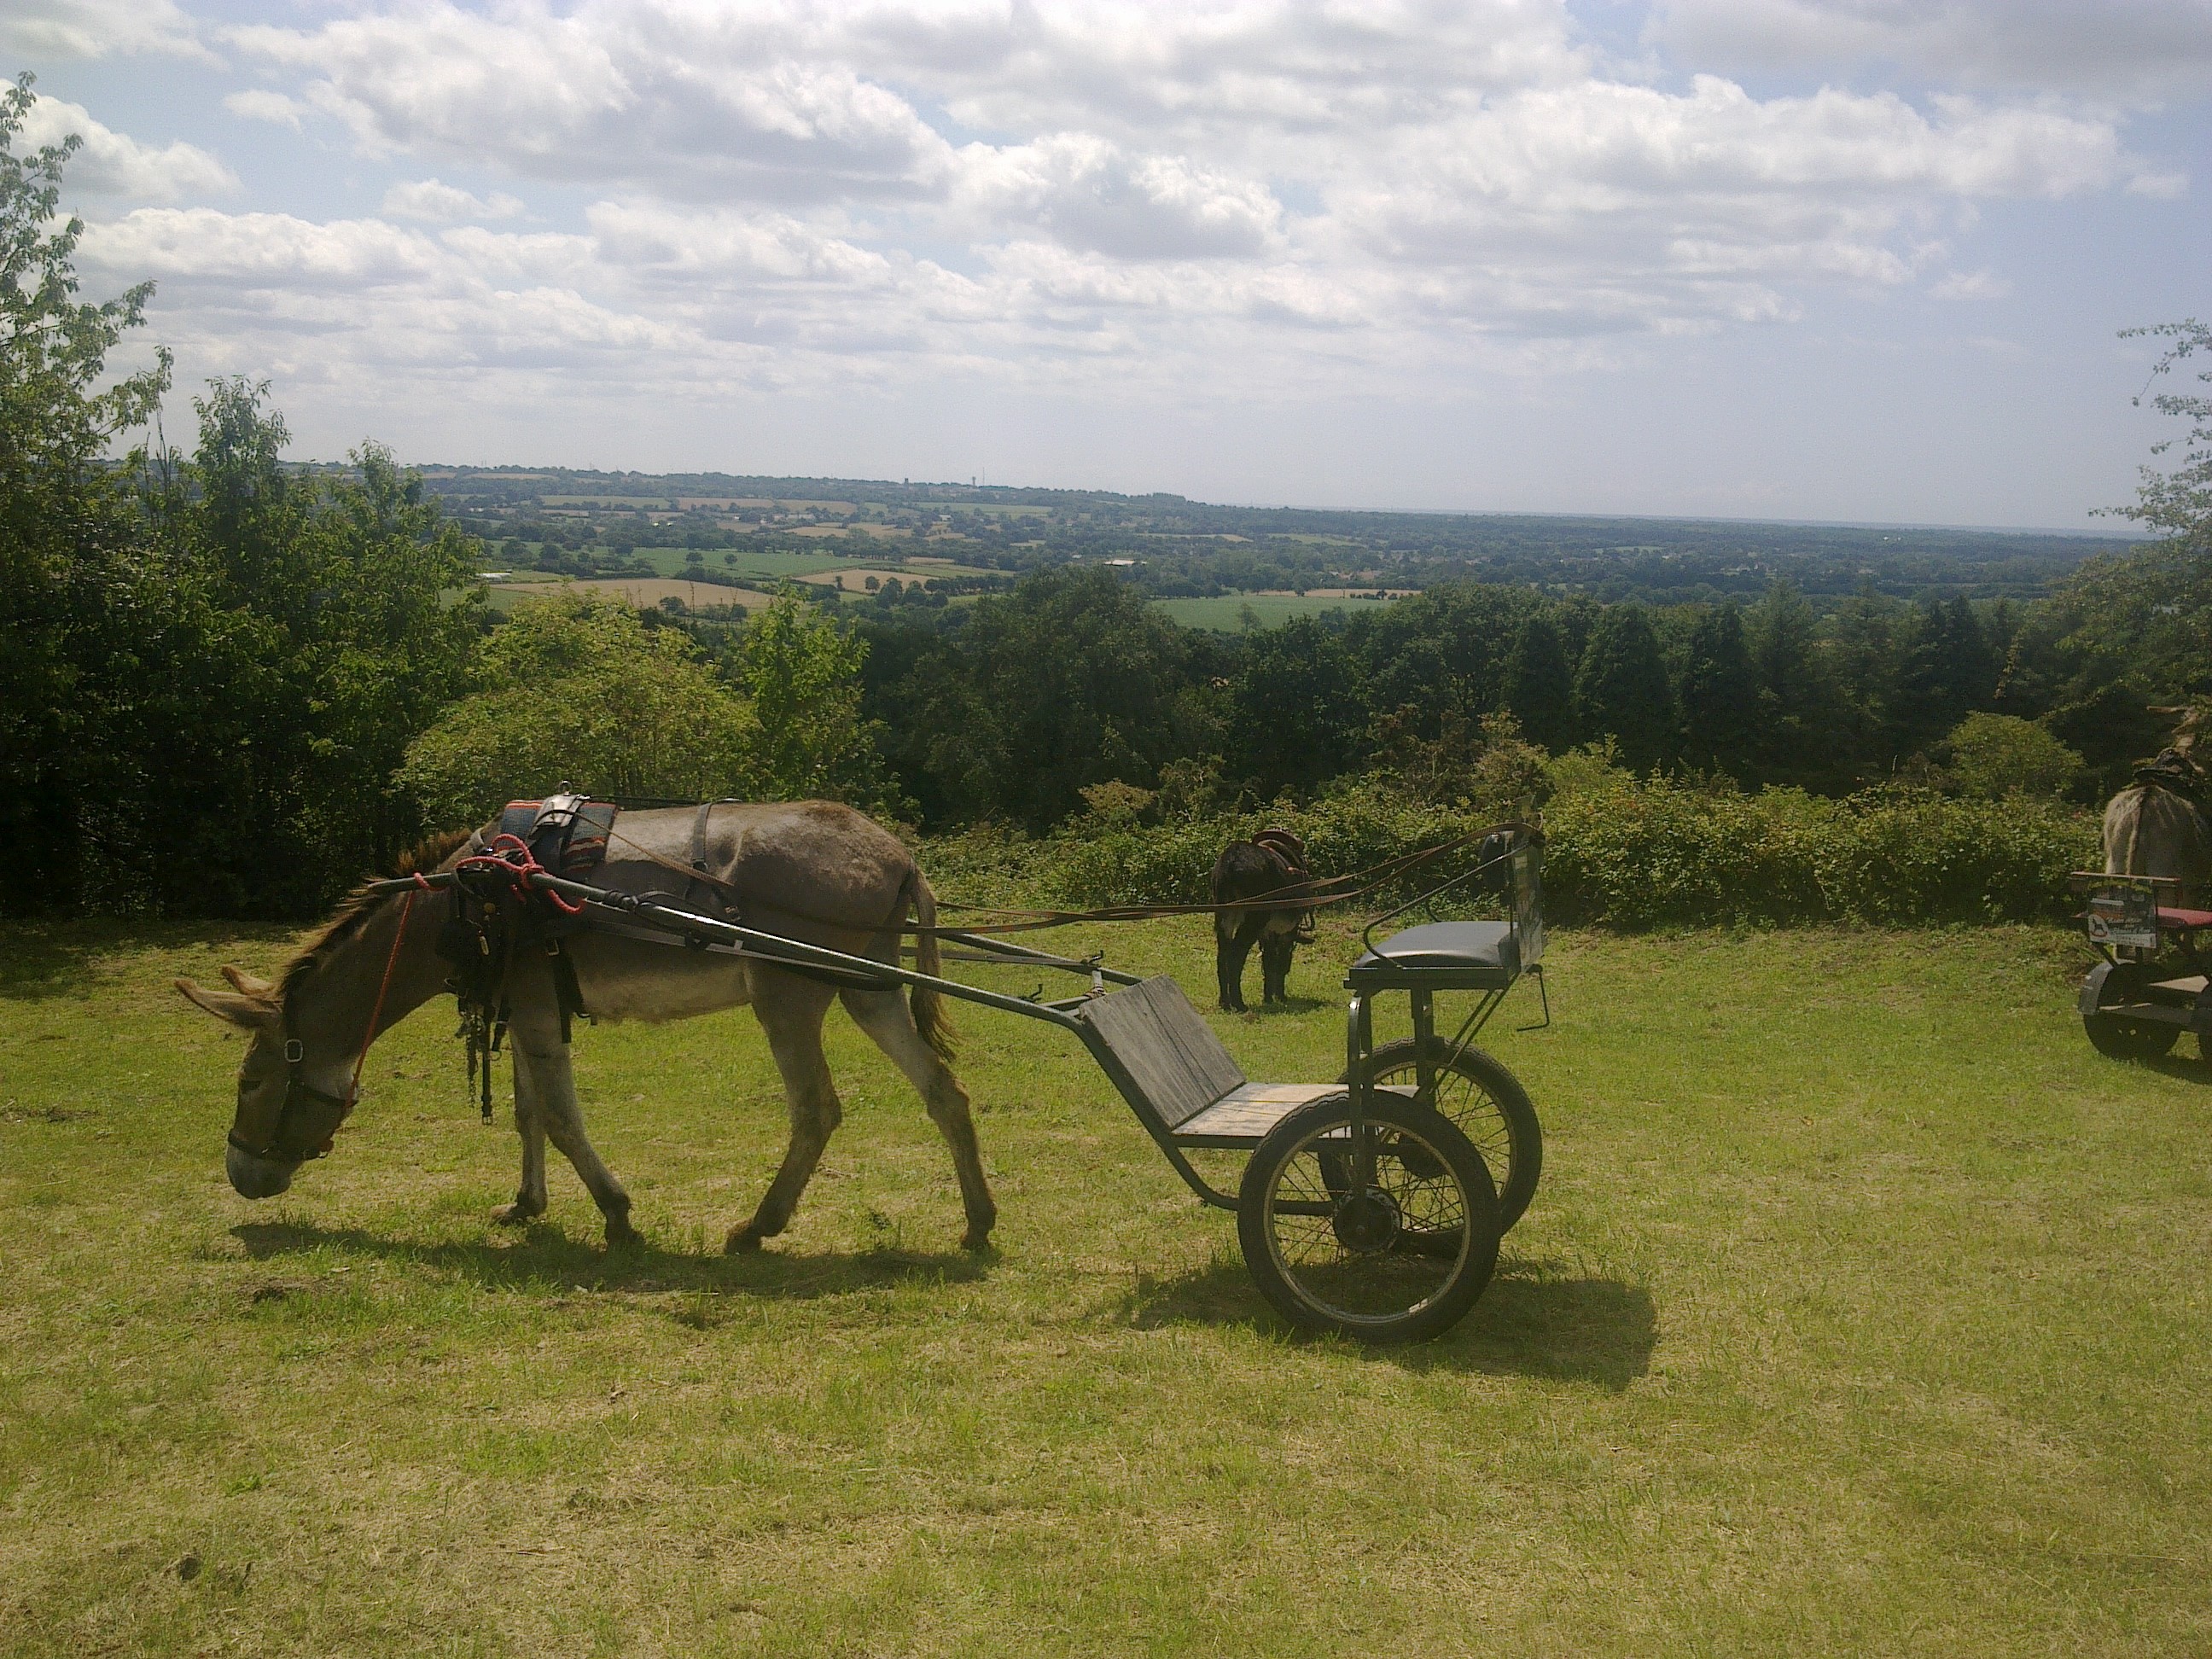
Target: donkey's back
{"x": 2149, "y": 830}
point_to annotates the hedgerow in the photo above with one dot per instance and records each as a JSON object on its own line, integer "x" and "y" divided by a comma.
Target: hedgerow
{"x": 1620, "y": 850}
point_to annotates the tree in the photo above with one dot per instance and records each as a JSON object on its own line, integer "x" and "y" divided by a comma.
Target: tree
{"x": 1070, "y": 679}
{"x": 576, "y": 690}
{"x": 1998, "y": 755}
{"x": 68, "y": 534}
{"x": 357, "y": 615}
{"x": 2129, "y": 631}
{"x": 1538, "y": 684}
{"x": 1791, "y": 737}
{"x": 809, "y": 741}
{"x": 2179, "y": 504}
{"x": 1946, "y": 671}
{"x": 1719, "y": 696}
{"x": 1621, "y": 691}
{"x": 1293, "y": 705}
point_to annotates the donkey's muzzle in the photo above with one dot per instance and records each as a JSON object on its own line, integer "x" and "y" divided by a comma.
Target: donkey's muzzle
{"x": 252, "y": 1176}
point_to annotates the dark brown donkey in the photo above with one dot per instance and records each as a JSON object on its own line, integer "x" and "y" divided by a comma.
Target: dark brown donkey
{"x": 1272, "y": 864}
{"x": 810, "y": 870}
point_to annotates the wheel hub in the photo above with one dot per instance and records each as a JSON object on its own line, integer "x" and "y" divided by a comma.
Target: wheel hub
{"x": 1366, "y": 1223}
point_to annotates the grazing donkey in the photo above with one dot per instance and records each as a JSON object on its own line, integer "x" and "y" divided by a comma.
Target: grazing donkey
{"x": 1273, "y": 862}
{"x": 810, "y": 870}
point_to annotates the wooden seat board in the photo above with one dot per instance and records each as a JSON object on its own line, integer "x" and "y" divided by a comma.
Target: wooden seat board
{"x": 1244, "y": 1116}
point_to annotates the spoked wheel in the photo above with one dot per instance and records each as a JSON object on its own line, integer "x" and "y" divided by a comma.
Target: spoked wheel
{"x": 2127, "y": 1039}
{"x": 1486, "y": 1102}
{"x": 1399, "y": 1261}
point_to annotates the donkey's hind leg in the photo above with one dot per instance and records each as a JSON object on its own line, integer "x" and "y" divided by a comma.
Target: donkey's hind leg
{"x": 790, "y": 1011}
{"x": 883, "y": 1016}
{"x": 542, "y": 1066}
{"x": 530, "y": 1126}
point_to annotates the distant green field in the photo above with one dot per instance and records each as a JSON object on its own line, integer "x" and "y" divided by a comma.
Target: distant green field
{"x": 1227, "y": 614}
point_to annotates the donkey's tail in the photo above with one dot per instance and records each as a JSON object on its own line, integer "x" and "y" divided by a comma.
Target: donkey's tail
{"x": 927, "y": 1006}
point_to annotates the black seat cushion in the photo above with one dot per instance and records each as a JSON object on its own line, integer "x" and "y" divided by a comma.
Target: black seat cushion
{"x": 1482, "y": 949}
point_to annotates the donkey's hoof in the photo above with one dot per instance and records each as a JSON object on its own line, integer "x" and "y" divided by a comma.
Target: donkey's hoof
{"x": 517, "y": 1213}
{"x": 742, "y": 1241}
{"x": 621, "y": 1236}
{"x": 975, "y": 1241}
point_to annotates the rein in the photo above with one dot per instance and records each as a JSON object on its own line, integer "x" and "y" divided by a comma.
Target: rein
{"x": 1305, "y": 896}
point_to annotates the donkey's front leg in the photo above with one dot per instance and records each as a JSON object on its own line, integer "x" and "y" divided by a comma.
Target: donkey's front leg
{"x": 542, "y": 1067}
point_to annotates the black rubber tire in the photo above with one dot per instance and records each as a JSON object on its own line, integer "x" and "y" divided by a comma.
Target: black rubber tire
{"x": 1394, "y": 1285}
{"x": 2124, "y": 1039}
{"x": 1492, "y": 1110}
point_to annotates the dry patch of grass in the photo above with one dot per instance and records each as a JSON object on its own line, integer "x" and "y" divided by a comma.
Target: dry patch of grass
{"x": 1862, "y": 1309}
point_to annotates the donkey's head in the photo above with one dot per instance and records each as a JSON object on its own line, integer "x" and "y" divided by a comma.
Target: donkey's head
{"x": 307, "y": 1034}
{"x": 283, "y": 1117}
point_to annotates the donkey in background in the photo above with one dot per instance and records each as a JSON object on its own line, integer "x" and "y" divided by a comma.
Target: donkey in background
{"x": 810, "y": 870}
{"x": 1272, "y": 864}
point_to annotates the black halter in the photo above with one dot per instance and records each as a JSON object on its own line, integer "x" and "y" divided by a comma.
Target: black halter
{"x": 308, "y": 1118}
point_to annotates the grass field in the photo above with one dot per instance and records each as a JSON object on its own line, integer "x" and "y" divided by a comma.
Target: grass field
{"x": 670, "y": 560}
{"x": 1863, "y": 1310}
{"x": 641, "y": 591}
{"x": 1227, "y": 614}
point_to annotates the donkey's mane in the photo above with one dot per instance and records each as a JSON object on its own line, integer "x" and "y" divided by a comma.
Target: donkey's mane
{"x": 355, "y": 909}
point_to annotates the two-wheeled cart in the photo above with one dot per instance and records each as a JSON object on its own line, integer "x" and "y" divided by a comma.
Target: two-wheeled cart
{"x": 2152, "y": 984}
{"x": 1373, "y": 1205}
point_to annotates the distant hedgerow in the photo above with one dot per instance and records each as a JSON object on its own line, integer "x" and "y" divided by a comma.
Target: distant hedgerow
{"x": 1621, "y": 850}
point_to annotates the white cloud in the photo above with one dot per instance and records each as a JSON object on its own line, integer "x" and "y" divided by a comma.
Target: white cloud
{"x": 697, "y": 100}
{"x": 1089, "y": 193}
{"x": 1972, "y": 285}
{"x": 273, "y": 107}
{"x": 442, "y": 203}
{"x": 2127, "y": 48}
{"x": 1257, "y": 194}
{"x": 111, "y": 163}
{"x": 94, "y": 28}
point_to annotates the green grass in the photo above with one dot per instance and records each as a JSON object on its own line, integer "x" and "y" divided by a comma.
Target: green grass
{"x": 1226, "y": 613}
{"x": 1862, "y": 1310}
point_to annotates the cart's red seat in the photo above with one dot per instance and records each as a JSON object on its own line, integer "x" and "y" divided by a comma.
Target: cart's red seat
{"x": 2183, "y": 922}
{"x": 1445, "y": 955}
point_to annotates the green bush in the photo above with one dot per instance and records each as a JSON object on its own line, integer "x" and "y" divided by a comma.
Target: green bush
{"x": 1619, "y": 850}
{"x": 1999, "y": 754}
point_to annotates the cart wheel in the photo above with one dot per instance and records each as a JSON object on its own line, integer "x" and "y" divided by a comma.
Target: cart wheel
{"x": 1370, "y": 1265}
{"x": 2124, "y": 1039}
{"x": 1487, "y": 1104}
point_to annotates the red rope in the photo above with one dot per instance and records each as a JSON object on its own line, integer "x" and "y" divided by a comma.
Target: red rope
{"x": 512, "y": 857}
{"x": 377, "y": 1013}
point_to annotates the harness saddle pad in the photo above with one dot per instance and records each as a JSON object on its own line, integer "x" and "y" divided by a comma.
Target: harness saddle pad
{"x": 567, "y": 834}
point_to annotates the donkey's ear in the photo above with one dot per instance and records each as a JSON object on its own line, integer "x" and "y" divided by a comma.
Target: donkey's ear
{"x": 246, "y": 984}
{"x": 253, "y": 1013}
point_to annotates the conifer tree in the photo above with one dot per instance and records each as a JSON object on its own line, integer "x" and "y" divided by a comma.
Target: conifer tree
{"x": 1621, "y": 690}
{"x": 1539, "y": 685}
{"x": 1719, "y": 694}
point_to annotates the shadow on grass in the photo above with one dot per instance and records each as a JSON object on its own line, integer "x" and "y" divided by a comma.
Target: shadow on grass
{"x": 1533, "y": 1321}
{"x": 2189, "y": 1069}
{"x": 546, "y": 1258}
{"x": 42, "y": 959}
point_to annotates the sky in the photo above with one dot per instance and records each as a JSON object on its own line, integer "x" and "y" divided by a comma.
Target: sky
{"x": 1859, "y": 260}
